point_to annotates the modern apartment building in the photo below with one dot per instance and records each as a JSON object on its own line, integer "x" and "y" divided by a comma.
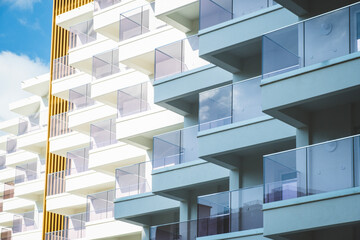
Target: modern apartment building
{"x": 189, "y": 119}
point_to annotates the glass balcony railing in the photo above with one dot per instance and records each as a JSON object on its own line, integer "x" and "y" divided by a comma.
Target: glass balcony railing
{"x": 7, "y": 193}
{"x": 81, "y": 34}
{"x": 75, "y": 229}
{"x": 312, "y": 41}
{"x": 181, "y": 230}
{"x": 100, "y": 206}
{"x": 80, "y": 97}
{"x": 11, "y": 145}
{"x": 28, "y": 221}
{"x": 61, "y": 68}
{"x": 178, "y": 57}
{"x": 139, "y": 21}
{"x": 213, "y": 12}
{"x": 102, "y": 4}
{"x": 2, "y": 162}
{"x": 103, "y": 134}
{"x": 133, "y": 100}
{"x": 106, "y": 64}
{"x": 175, "y": 148}
{"x": 77, "y": 161}
{"x": 231, "y": 211}
{"x": 232, "y": 103}
{"x": 59, "y": 124}
{"x": 56, "y": 183}
{"x": 316, "y": 169}
{"x": 26, "y": 172}
{"x": 133, "y": 180}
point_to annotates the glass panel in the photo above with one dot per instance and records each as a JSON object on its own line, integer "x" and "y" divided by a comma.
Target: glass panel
{"x": 282, "y": 50}
{"x": 312, "y": 170}
{"x": 59, "y": 124}
{"x": 247, "y": 100}
{"x": 330, "y": 166}
{"x": 11, "y": 145}
{"x": 139, "y": 21}
{"x": 29, "y": 124}
{"x": 100, "y": 205}
{"x": 26, "y": 172}
{"x": 178, "y": 57}
{"x": 285, "y": 175}
{"x": 25, "y": 222}
{"x": 56, "y": 183}
{"x": 183, "y": 230}
{"x": 2, "y": 162}
{"x": 101, "y": 4}
{"x": 106, "y": 64}
{"x": 214, "y": 214}
{"x": 81, "y": 34}
{"x": 215, "y": 107}
{"x": 213, "y": 12}
{"x": 175, "y": 148}
{"x": 77, "y": 161}
{"x": 246, "y": 209}
{"x": 327, "y": 37}
{"x": 8, "y": 190}
{"x": 132, "y": 100}
{"x": 134, "y": 179}
{"x": 355, "y": 27}
{"x": 80, "y": 97}
{"x": 103, "y": 134}
{"x": 61, "y": 68}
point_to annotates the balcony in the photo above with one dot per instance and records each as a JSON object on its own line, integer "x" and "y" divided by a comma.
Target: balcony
{"x": 100, "y": 222}
{"x": 66, "y": 77}
{"x": 227, "y": 215}
{"x": 10, "y": 126}
{"x": 182, "y": 15}
{"x": 134, "y": 109}
{"x": 234, "y": 111}
{"x": 133, "y": 196}
{"x": 32, "y": 132}
{"x": 84, "y": 110}
{"x": 62, "y": 138}
{"x": 238, "y": 53}
{"x": 20, "y": 157}
{"x": 27, "y": 106}
{"x": 106, "y": 159}
{"x": 301, "y": 58}
{"x": 38, "y": 85}
{"x": 74, "y": 228}
{"x": 140, "y": 32}
{"x": 106, "y": 16}
{"x": 84, "y": 45}
{"x": 308, "y": 182}
{"x": 180, "y": 74}
{"x": 75, "y": 16}
{"x": 175, "y": 156}
{"x": 109, "y": 76}
{"x": 29, "y": 181}
{"x": 27, "y": 226}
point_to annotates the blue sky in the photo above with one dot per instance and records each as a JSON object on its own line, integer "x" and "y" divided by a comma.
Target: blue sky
{"x": 25, "y": 27}
{"x": 25, "y": 40}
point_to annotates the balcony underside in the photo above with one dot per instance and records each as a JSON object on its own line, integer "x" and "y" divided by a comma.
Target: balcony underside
{"x": 146, "y": 209}
{"x": 180, "y": 92}
{"x": 235, "y": 45}
{"x": 317, "y": 87}
{"x": 263, "y": 136}
{"x": 330, "y": 216}
{"x": 306, "y": 8}
{"x": 199, "y": 177}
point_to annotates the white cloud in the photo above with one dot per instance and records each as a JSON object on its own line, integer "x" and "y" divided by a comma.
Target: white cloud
{"x": 13, "y": 70}
{"x": 22, "y": 4}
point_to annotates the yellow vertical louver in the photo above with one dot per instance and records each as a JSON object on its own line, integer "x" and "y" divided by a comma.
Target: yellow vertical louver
{"x": 54, "y": 163}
